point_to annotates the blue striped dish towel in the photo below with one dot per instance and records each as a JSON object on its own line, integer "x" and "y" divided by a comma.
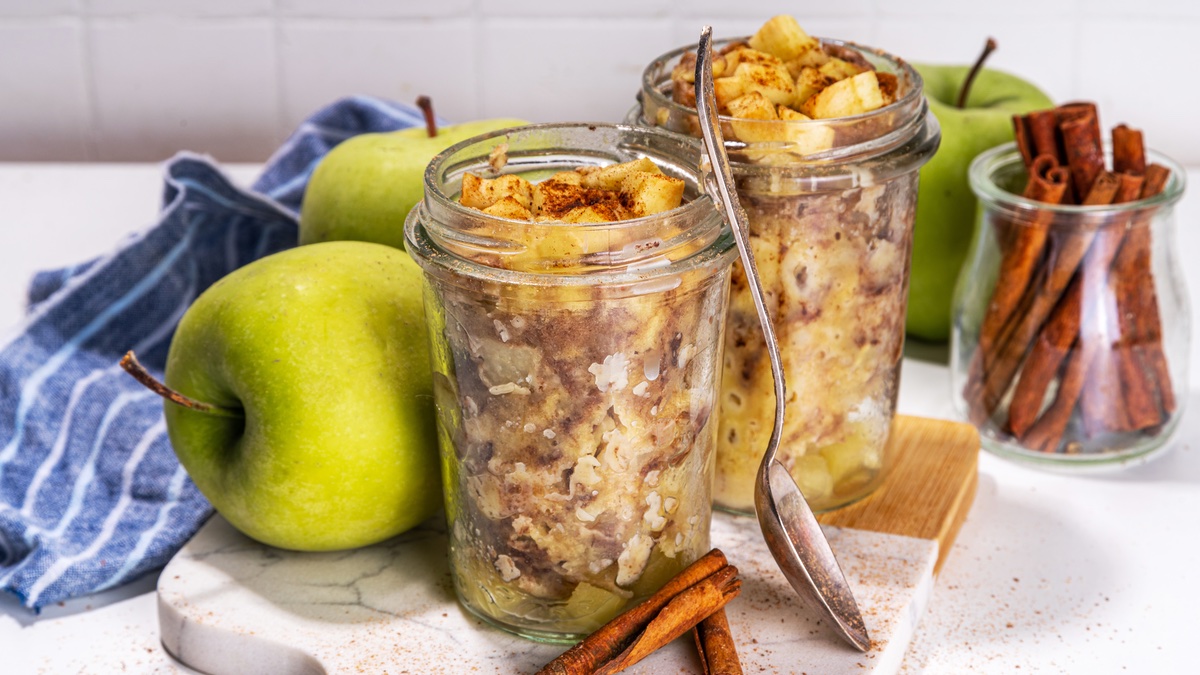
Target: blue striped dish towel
{"x": 91, "y": 495}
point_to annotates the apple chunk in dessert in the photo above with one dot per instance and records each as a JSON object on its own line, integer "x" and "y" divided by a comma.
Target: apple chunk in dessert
{"x": 580, "y": 415}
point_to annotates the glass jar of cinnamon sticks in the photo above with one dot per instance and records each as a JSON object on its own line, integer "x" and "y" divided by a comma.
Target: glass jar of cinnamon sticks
{"x": 1071, "y": 320}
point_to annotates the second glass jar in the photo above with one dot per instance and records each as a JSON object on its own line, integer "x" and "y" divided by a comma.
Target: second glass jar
{"x": 831, "y": 232}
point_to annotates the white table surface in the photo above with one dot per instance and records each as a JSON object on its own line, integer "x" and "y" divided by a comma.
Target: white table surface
{"x": 1051, "y": 573}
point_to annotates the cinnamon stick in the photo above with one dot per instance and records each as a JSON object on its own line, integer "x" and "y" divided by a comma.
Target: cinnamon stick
{"x": 1066, "y": 253}
{"x": 1043, "y": 129}
{"x": 679, "y": 616}
{"x": 1156, "y": 182}
{"x": 714, "y": 642}
{"x": 1075, "y": 110}
{"x": 1077, "y": 317}
{"x": 1047, "y": 183}
{"x": 1101, "y": 404}
{"x": 1082, "y": 144}
{"x": 1113, "y": 398}
{"x": 1047, "y": 433}
{"x": 1024, "y": 138}
{"x": 1137, "y": 308}
{"x": 1129, "y": 152}
{"x": 611, "y": 639}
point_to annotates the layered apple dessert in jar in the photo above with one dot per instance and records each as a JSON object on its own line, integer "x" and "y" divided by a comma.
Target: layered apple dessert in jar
{"x": 825, "y": 140}
{"x": 576, "y": 288}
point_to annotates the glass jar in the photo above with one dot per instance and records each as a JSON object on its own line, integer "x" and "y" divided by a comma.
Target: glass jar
{"x": 831, "y": 206}
{"x": 1087, "y": 372}
{"x": 576, "y": 369}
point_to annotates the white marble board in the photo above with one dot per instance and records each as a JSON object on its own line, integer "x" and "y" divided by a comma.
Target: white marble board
{"x": 229, "y": 605}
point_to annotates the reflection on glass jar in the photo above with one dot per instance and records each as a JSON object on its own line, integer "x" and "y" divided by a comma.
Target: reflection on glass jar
{"x": 830, "y": 206}
{"x": 1091, "y": 367}
{"x": 576, "y": 373}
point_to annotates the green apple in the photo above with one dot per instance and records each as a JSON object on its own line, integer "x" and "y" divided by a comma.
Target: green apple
{"x": 307, "y": 416}
{"x": 945, "y": 218}
{"x": 364, "y": 188}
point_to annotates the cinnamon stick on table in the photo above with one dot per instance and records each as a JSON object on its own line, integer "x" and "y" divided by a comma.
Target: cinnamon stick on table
{"x": 714, "y": 641}
{"x": 701, "y": 589}
{"x": 679, "y": 616}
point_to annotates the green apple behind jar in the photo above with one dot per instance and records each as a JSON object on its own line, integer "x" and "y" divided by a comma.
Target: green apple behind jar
{"x": 945, "y": 220}
{"x": 300, "y": 397}
{"x": 364, "y": 188}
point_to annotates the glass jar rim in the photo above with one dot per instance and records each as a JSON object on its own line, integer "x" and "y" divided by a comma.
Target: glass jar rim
{"x": 880, "y": 144}
{"x": 437, "y": 207}
{"x": 986, "y": 164}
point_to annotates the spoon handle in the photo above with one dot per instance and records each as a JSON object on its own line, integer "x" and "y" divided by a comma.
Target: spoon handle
{"x": 719, "y": 183}
{"x": 792, "y": 533}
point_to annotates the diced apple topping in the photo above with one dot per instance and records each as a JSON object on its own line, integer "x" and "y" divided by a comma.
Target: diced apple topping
{"x": 649, "y": 193}
{"x": 782, "y": 36}
{"x": 783, "y": 73}
{"x": 509, "y": 207}
{"x": 611, "y": 177}
{"x": 809, "y": 82}
{"x": 585, "y": 195}
{"x": 753, "y": 106}
{"x": 774, "y": 82}
{"x": 480, "y": 193}
{"x": 839, "y": 69}
{"x": 851, "y": 96}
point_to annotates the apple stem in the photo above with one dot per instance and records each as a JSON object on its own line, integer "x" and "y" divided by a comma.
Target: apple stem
{"x": 426, "y": 105}
{"x": 988, "y": 48}
{"x": 131, "y": 365}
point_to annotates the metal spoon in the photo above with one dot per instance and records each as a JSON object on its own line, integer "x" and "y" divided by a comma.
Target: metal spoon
{"x": 792, "y": 532}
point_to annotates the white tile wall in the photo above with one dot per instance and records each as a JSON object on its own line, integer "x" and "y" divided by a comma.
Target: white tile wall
{"x": 607, "y": 8}
{"x": 1125, "y": 91}
{"x": 9, "y": 8}
{"x": 558, "y": 69}
{"x": 759, "y": 10}
{"x": 372, "y": 9}
{"x": 160, "y": 84}
{"x": 140, "y": 79}
{"x": 43, "y": 106}
{"x": 322, "y": 60}
{"x": 1043, "y": 51}
{"x": 179, "y": 8}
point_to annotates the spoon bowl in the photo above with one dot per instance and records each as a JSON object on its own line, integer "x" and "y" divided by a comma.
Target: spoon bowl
{"x": 802, "y": 552}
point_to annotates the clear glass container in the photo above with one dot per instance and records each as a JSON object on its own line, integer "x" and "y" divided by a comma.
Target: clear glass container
{"x": 576, "y": 369}
{"x": 1086, "y": 373}
{"x": 831, "y": 206}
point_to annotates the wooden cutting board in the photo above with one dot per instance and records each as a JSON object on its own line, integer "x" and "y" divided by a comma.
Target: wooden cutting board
{"x": 230, "y": 605}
